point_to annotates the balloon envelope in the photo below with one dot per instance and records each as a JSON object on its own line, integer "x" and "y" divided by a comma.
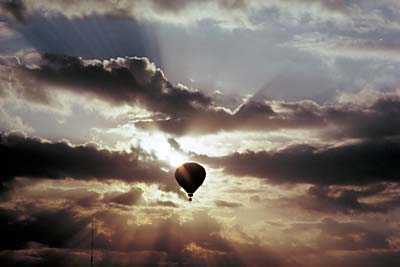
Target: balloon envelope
{"x": 190, "y": 176}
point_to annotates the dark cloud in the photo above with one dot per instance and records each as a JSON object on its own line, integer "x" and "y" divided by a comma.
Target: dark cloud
{"x": 180, "y": 5}
{"x": 171, "y": 5}
{"x": 365, "y": 258}
{"x": 16, "y": 8}
{"x": 376, "y": 120}
{"x": 42, "y": 237}
{"x": 6, "y": 190}
{"x": 182, "y": 111}
{"x": 250, "y": 116}
{"x": 328, "y": 199}
{"x": 35, "y": 158}
{"x": 54, "y": 228}
{"x": 128, "y": 80}
{"x": 117, "y": 8}
{"x": 58, "y": 237}
{"x": 46, "y": 257}
{"x": 351, "y": 164}
{"x": 184, "y": 8}
{"x": 174, "y": 144}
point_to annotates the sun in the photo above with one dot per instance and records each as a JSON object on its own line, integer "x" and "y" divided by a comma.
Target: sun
{"x": 176, "y": 159}
{"x": 159, "y": 145}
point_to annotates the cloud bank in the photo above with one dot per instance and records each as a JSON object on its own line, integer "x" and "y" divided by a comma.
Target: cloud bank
{"x": 37, "y": 158}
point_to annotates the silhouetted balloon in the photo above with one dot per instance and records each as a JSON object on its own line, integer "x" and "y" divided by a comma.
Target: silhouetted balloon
{"x": 190, "y": 176}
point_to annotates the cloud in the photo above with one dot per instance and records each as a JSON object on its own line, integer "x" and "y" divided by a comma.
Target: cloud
{"x": 9, "y": 122}
{"x": 16, "y": 8}
{"x": 365, "y": 258}
{"x": 227, "y": 13}
{"x": 49, "y": 235}
{"x": 214, "y": 119}
{"x": 166, "y": 203}
{"x": 129, "y": 80}
{"x": 71, "y": 198}
{"x": 132, "y": 197}
{"x": 179, "y": 110}
{"x": 375, "y": 119}
{"x": 227, "y": 204}
{"x": 350, "y": 164}
{"x": 43, "y": 257}
{"x": 174, "y": 144}
{"x": 347, "y": 46}
{"x": 335, "y": 235}
{"x": 54, "y": 228}
{"x": 36, "y": 158}
{"x": 375, "y": 198}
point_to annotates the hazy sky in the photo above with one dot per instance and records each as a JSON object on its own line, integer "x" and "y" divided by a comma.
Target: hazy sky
{"x": 292, "y": 106}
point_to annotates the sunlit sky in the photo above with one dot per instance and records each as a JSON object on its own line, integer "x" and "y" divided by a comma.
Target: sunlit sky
{"x": 292, "y": 106}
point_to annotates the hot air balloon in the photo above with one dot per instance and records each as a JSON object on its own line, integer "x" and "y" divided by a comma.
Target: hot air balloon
{"x": 190, "y": 176}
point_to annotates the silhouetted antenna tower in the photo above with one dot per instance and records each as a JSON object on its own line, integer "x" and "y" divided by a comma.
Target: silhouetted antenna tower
{"x": 91, "y": 247}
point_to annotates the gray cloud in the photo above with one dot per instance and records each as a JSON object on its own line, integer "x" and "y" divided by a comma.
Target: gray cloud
{"x": 348, "y": 46}
{"x": 60, "y": 225}
{"x": 52, "y": 235}
{"x": 365, "y": 258}
{"x": 174, "y": 144}
{"x": 129, "y": 80}
{"x": 35, "y": 158}
{"x": 376, "y": 119}
{"x": 142, "y": 9}
{"x": 328, "y": 199}
{"x": 182, "y": 111}
{"x": 116, "y": 7}
{"x": 16, "y": 8}
{"x": 39, "y": 236}
{"x": 136, "y": 81}
{"x": 351, "y": 164}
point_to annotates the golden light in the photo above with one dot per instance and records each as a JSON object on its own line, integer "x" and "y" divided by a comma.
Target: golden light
{"x": 176, "y": 159}
{"x": 159, "y": 145}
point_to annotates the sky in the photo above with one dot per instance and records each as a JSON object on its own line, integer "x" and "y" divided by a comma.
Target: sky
{"x": 292, "y": 107}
